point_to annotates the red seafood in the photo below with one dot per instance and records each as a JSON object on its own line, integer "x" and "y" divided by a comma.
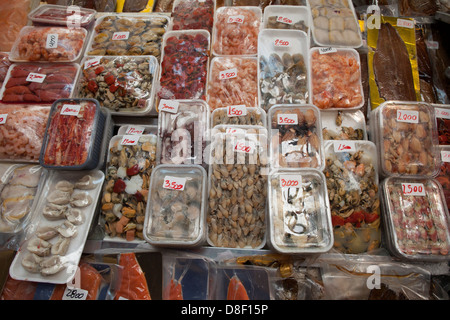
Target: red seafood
{"x": 193, "y": 14}
{"x": 134, "y": 284}
{"x": 236, "y": 290}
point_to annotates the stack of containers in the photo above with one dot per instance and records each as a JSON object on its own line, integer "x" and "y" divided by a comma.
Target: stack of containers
{"x": 415, "y": 215}
{"x": 442, "y": 112}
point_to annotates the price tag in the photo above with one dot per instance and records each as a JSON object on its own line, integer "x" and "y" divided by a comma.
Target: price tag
{"x": 70, "y": 109}
{"x": 289, "y": 118}
{"x": 174, "y": 183}
{"x": 413, "y": 189}
{"x": 72, "y": 293}
{"x": 236, "y": 19}
{"x": 92, "y": 62}
{"x": 52, "y": 41}
{"x": 129, "y": 140}
{"x": 291, "y": 181}
{"x": 237, "y": 131}
{"x": 244, "y": 146}
{"x": 344, "y": 146}
{"x": 281, "y": 43}
{"x": 122, "y": 35}
{"x": 35, "y": 77}
{"x": 3, "y": 118}
{"x": 137, "y": 130}
{"x": 237, "y": 111}
{"x": 228, "y": 74}
{"x": 405, "y": 23}
{"x": 433, "y": 45}
{"x": 168, "y": 106}
{"x": 445, "y": 156}
{"x": 408, "y": 116}
{"x": 285, "y": 20}
{"x": 442, "y": 113}
{"x": 327, "y": 50}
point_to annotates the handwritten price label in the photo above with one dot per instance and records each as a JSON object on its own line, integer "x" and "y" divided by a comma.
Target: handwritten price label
{"x": 228, "y": 74}
{"x": 174, "y": 183}
{"x": 290, "y": 181}
{"x": 284, "y": 19}
{"x": 236, "y": 19}
{"x": 405, "y": 23}
{"x": 281, "y": 43}
{"x": 72, "y": 293}
{"x": 123, "y": 35}
{"x": 287, "y": 118}
{"x": 442, "y": 113}
{"x": 52, "y": 41}
{"x": 35, "y": 77}
{"x": 327, "y": 50}
{"x": 137, "y": 130}
{"x": 236, "y": 131}
{"x": 344, "y": 146}
{"x": 445, "y": 156}
{"x": 92, "y": 62}
{"x": 237, "y": 111}
{"x": 413, "y": 189}
{"x": 244, "y": 146}
{"x": 168, "y": 105}
{"x": 408, "y": 116}
{"x": 433, "y": 45}
{"x": 70, "y": 109}
{"x": 3, "y": 118}
{"x": 129, "y": 140}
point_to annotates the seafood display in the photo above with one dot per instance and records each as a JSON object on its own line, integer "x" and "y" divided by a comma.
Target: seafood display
{"x": 351, "y": 172}
{"x": 236, "y": 31}
{"x": 334, "y": 23}
{"x": 343, "y": 125}
{"x": 22, "y": 134}
{"x": 236, "y": 216}
{"x": 444, "y": 173}
{"x": 443, "y": 123}
{"x": 286, "y": 17}
{"x": 233, "y": 81}
{"x": 5, "y": 63}
{"x": 53, "y": 44}
{"x": 178, "y": 204}
{"x": 128, "y": 36}
{"x": 73, "y": 135}
{"x": 129, "y": 166}
{"x": 62, "y": 15}
{"x": 406, "y": 137}
{"x": 184, "y": 65}
{"x": 247, "y": 116}
{"x": 182, "y": 136}
{"x": 416, "y": 219}
{"x": 336, "y": 79}
{"x": 193, "y": 14}
{"x": 125, "y": 85}
{"x": 283, "y": 67}
{"x": 43, "y": 83}
{"x": 299, "y": 217}
{"x": 295, "y": 136}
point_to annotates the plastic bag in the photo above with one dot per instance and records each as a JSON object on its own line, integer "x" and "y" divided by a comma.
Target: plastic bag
{"x": 193, "y": 14}
{"x": 134, "y": 284}
{"x": 13, "y": 17}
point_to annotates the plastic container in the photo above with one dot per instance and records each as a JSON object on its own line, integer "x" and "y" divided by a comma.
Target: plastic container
{"x": 336, "y": 78}
{"x": 56, "y": 44}
{"x": 108, "y": 132}
{"x": 406, "y": 138}
{"x": 124, "y": 84}
{"x": 442, "y": 112}
{"x": 334, "y": 24}
{"x": 55, "y": 260}
{"x": 416, "y": 219}
{"x": 193, "y": 14}
{"x": 74, "y": 135}
{"x": 39, "y": 82}
{"x": 287, "y": 17}
{"x": 183, "y": 135}
{"x": 176, "y": 216}
{"x": 299, "y": 213}
{"x": 343, "y": 125}
{"x": 283, "y": 70}
{"x": 351, "y": 171}
{"x": 300, "y": 143}
{"x": 235, "y": 31}
{"x": 444, "y": 173}
{"x": 239, "y": 116}
{"x": 62, "y": 15}
{"x": 233, "y": 81}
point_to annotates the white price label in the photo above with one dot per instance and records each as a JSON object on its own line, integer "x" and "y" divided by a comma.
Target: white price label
{"x": 445, "y": 156}
{"x": 237, "y": 111}
{"x": 289, "y": 118}
{"x": 228, "y": 74}
{"x": 35, "y": 77}
{"x": 92, "y": 62}
{"x": 168, "y": 106}
{"x": 244, "y": 146}
{"x": 344, "y": 146}
{"x": 70, "y": 109}
{"x": 327, "y": 50}
{"x": 442, "y": 113}
{"x": 122, "y": 35}
{"x": 281, "y": 43}
{"x": 236, "y": 19}
{"x": 135, "y": 130}
{"x": 291, "y": 181}
{"x": 236, "y": 131}
{"x": 52, "y": 41}
{"x": 433, "y": 45}
{"x": 405, "y": 23}
{"x": 129, "y": 140}
{"x": 284, "y": 19}
{"x": 174, "y": 183}
{"x": 413, "y": 189}
{"x": 3, "y": 118}
{"x": 408, "y": 116}
{"x": 72, "y": 293}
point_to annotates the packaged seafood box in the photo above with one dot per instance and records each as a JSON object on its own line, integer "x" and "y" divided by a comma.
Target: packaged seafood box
{"x": 406, "y": 138}
{"x": 295, "y": 133}
{"x": 178, "y": 198}
{"x": 48, "y": 44}
{"x": 442, "y": 112}
{"x": 22, "y": 131}
{"x": 39, "y": 82}
{"x": 233, "y": 81}
{"x": 183, "y": 132}
{"x": 56, "y": 237}
{"x": 236, "y": 216}
{"x": 336, "y": 78}
{"x": 287, "y": 17}
{"x": 343, "y": 125}
{"x": 235, "y": 31}
{"x": 299, "y": 214}
{"x": 193, "y": 14}
{"x": 416, "y": 219}
{"x": 443, "y": 176}
{"x": 74, "y": 135}
{"x": 351, "y": 172}
{"x": 5, "y": 63}
{"x": 50, "y": 14}
{"x": 334, "y": 24}
{"x": 239, "y": 115}
{"x": 283, "y": 68}
{"x": 184, "y": 65}
{"x": 128, "y": 35}
{"x": 129, "y": 165}
{"x": 123, "y": 84}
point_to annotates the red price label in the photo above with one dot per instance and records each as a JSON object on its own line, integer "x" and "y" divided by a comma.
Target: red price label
{"x": 284, "y": 20}
{"x": 445, "y": 156}
{"x": 92, "y": 62}
{"x": 288, "y": 118}
{"x": 244, "y": 146}
{"x": 35, "y": 77}
{"x": 413, "y": 189}
{"x": 237, "y": 111}
{"x": 228, "y": 74}
{"x": 70, "y": 109}
{"x": 344, "y": 146}
{"x": 442, "y": 113}
{"x": 168, "y": 105}
{"x": 236, "y": 19}
{"x": 405, "y": 23}
{"x": 120, "y": 35}
{"x": 174, "y": 183}
{"x": 408, "y": 116}
{"x": 129, "y": 140}
{"x": 235, "y": 130}
{"x": 3, "y": 118}
{"x": 135, "y": 130}
{"x": 281, "y": 43}
{"x": 290, "y": 181}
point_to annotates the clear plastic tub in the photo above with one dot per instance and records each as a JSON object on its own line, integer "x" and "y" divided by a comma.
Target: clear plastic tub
{"x": 444, "y": 173}
{"x": 295, "y": 136}
{"x": 343, "y": 125}
{"x": 235, "y": 31}
{"x": 283, "y": 70}
{"x": 416, "y": 219}
{"x": 336, "y": 78}
{"x": 351, "y": 171}
{"x": 287, "y": 17}
{"x": 176, "y": 216}
{"x": 125, "y": 85}
{"x": 442, "y": 112}
{"x": 299, "y": 214}
{"x": 239, "y": 116}
{"x": 193, "y": 14}
{"x": 406, "y": 138}
{"x": 74, "y": 135}
{"x": 334, "y": 24}
{"x": 48, "y": 44}
{"x": 62, "y": 15}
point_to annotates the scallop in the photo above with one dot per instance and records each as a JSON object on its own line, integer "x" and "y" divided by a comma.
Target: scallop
{"x": 51, "y": 266}
{"x": 46, "y": 233}
{"x": 81, "y": 200}
{"x": 85, "y": 183}
{"x": 67, "y": 229}
{"x": 39, "y": 247}
{"x": 65, "y": 186}
{"x": 337, "y": 23}
{"x": 75, "y": 216}
{"x": 59, "y": 197}
{"x": 31, "y": 262}
{"x": 61, "y": 246}
{"x": 321, "y": 23}
{"x": 54, "y": 211}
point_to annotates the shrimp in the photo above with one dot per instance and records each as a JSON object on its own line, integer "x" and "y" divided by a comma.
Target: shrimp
{"x": 236, "y": 290}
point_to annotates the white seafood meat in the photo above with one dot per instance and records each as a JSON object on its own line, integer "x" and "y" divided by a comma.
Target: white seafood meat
{"x": 27, "y": 176}
{"x": 67, "y": 229}
{"x": 80, "y": 200}
{"x": 85, "y": 183}
{"x": 39, "y": 247}
{"x": 31, "y": 262}
{"x": 51, "y": 266}
{"x": 46, "y": 232}
{"x": 65, "y": 186}
{"x": 61, "y": 246}
{"x": 59, "y": 197}
{"x": 55, "y": 211}
{"x": 75, "y": 216}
